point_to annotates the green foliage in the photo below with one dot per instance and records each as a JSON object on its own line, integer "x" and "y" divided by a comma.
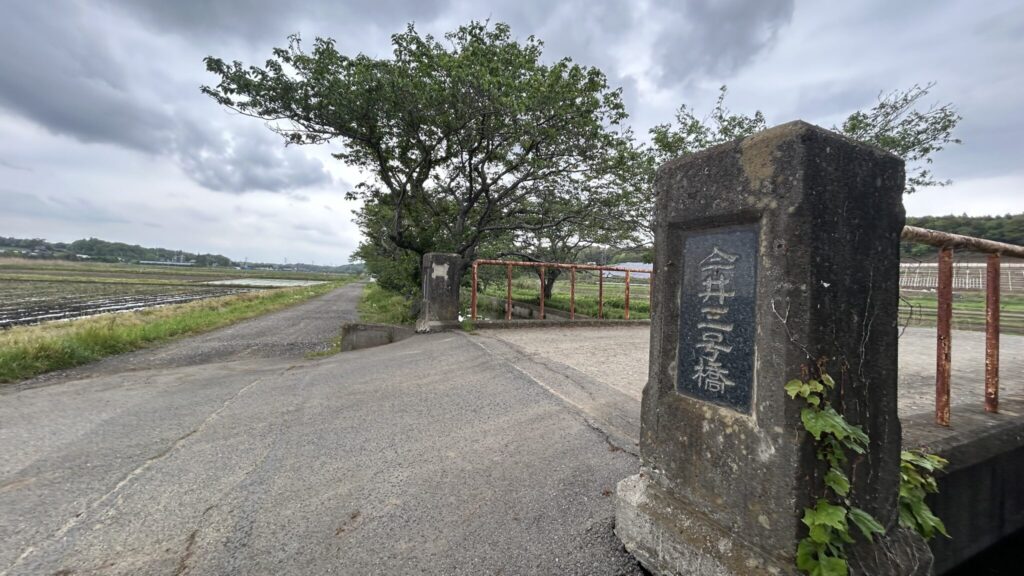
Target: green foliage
{"x": 917, "y": 480}
{"x": 690, "y": 134}
{"x": 1008, "y": 228}
{"x": 823, "y": 551}
{"x": 471, "y": 142}
{"x": 379, "y": 305}
{"x": 896, "y": 124}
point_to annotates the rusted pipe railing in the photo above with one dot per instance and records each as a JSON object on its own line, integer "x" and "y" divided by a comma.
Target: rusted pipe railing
{"x": 627, "y": 294}
{"x": 946, "y": 243}
{"x": 508, "y": 292}
{"x": 542, "y": 287}
{"x": 992, "y": 335}
{"x": 943, "y": 343}
{"x": 572, "y": 293}
{"x": 543, "y": 266}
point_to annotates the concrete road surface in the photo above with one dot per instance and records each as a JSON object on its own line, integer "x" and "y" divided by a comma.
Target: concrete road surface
{"x": 232, "y": 454}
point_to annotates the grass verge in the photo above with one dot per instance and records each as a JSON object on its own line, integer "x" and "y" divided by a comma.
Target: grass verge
{"x": 27, "y": 351}
{"x": 380, "y": 306}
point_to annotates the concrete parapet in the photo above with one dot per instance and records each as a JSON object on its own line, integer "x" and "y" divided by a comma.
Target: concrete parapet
{"x": 772, "y": 253}
{"x": 442, "y": 276}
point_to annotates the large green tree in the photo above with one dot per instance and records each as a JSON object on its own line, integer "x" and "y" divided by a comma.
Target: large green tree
{"x": 464, "y": 140}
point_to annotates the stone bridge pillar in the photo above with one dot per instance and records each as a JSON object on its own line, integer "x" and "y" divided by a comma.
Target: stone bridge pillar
{"x": 772, "y": 252}
{"x": 442, "y": 276}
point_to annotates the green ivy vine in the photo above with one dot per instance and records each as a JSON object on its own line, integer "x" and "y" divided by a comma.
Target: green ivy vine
{"x": 823, "y": 551}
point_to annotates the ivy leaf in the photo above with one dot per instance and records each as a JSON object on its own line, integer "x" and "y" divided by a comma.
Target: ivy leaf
{"x": 866, "y": 522}
{"x": 837, "y": 481}
{"x": 813, "y": 422}
{"x": 826, "y": 514}
{"x": 828, "y": 381}
{"x": 793, "y": 388}
{"x": 831, "y": 566}
{"x": 807, "y": 555}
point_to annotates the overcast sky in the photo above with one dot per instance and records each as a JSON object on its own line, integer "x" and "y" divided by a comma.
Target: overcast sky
{"x": 103, "y": 131}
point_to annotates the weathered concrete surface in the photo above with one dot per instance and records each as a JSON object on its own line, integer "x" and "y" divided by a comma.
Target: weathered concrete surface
{"x": 617, "y": 357}
{"x": 429, "y": 456}
{"x": 442, "y": 277}
{"x": 807, "y": 223}
{"x": 359, "y": 335}
{"x": 980, "y": 497}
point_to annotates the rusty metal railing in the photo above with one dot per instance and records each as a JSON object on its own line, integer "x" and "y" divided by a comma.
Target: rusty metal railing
{"x": 572, "y": 268}
{"x": 946, "y": 243}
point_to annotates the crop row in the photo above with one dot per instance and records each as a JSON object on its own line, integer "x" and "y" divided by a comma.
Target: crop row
{"x": 30, "y": 302}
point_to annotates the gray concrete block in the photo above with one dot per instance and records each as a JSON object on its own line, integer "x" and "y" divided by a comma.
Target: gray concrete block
{"x": 772, "y": 252}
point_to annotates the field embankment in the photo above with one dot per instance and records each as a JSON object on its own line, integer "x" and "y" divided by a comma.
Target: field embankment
{"x": 27, "y": 351}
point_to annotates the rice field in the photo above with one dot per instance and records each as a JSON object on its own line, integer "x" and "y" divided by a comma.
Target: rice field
{"x": 34, "y": 292}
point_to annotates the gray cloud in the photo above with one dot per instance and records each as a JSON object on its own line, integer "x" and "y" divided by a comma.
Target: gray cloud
{"x": 77, "y": 85}
{"x": 56, "y": 207}
{"x": 257, "y": 21}
{"x": 716, "y": 37}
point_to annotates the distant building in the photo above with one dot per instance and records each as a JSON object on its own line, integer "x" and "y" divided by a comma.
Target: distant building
{"x": 631, "y": 266}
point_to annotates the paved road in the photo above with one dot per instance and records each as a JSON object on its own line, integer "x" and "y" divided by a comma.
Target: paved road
{"x": 433, "y": 455}
{"x": 289, "y": 334}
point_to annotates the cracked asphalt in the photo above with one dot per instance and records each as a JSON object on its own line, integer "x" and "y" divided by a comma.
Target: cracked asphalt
{"x": 231, "y": 453}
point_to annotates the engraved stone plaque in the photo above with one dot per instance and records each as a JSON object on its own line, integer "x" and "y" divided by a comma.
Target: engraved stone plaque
{"x": 717, "y": 316}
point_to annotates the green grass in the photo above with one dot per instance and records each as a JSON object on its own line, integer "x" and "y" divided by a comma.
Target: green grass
{"x": 528, "y": 290}
{"x": 27, "y": 351}
{"x": 379, "y": 306}
{"x": 967, "y": 301}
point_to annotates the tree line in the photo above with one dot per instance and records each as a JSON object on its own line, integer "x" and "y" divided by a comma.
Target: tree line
{"x": 1008, "y": 228}
{"x": 103, "y": 251}
{"x": 476, "y": 144}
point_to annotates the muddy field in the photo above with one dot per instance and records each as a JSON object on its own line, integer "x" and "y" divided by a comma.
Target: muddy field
{"x": 30, "y": 302}
{"x": 31, "y": 293}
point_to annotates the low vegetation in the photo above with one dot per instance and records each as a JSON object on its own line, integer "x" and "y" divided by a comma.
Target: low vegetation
{"x": 27, "y": 351}
{"x": 381, "y": 306}
{"x": 526, "y": 289}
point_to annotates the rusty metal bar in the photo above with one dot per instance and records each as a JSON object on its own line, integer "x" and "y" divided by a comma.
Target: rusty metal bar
{"x": 558, "y": 265}
{"x": 650, "y": 293}
{"x": 508, "y": 292}
{"x": 627, "y": 295}
{"x": 943, "y": 340}
{"x": 572, "y": 293}
{"x": 992, "y": 335}
{"x": 542, "y": 287}
{"x": 600, "y": 295}
{"x": 947, "y": 240}
{"x": 473, "y": 297}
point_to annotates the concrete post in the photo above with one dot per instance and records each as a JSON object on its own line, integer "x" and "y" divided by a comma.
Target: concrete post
{"x": 771, "y": 253}
{"x": 442, "y": 275}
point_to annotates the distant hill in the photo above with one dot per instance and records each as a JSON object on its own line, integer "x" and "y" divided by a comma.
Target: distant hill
{"x": 1008, "y": 228}
{"x": 103, "y": 251}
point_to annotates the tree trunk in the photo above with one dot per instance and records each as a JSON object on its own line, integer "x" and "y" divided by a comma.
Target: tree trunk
{"x": 550, "y": 275}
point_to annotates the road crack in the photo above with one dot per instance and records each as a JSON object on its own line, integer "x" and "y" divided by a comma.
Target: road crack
{"x": 111, "y": 498}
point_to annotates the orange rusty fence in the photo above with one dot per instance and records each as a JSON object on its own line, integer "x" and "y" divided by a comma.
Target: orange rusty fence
{"x": 947, "y": 243}
{"x": 572, "y": 268}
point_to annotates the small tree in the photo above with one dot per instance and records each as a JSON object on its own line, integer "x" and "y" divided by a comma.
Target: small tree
{"x": 895, "y": 124}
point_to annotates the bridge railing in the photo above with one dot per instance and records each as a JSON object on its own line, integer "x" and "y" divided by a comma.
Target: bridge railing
{"x": 572, "y": 268}
{"x": 946, "y": 243}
